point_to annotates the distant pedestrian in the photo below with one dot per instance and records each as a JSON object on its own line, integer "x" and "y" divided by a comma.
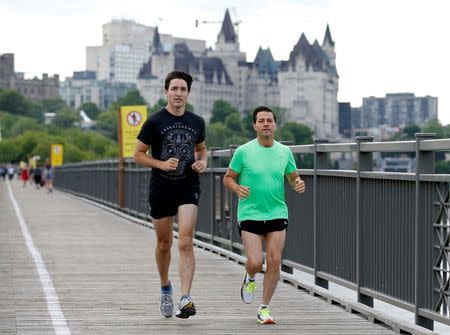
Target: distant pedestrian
{"x": 37, "y": 176}
{"x": 48, "y": 175}
{"x": 3, "y": 172}
{"x": 24, "y": 175}
{"x": 11, "y": 171}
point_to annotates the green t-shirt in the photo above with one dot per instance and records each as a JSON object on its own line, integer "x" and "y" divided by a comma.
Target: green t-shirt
{"x": 263, "y": 170}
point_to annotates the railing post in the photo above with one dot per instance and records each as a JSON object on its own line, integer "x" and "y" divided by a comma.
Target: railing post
{"x": 320, "y": 162}
{"x": 285, "y": 268}
{"x": 425, "y": 162}
{"x": 364, "y": 162}
{"x": 233, "y": 211}
{"x": 212, "y": 189}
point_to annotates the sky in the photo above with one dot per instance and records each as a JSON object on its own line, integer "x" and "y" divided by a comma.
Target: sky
{"x": 382, "y": 46}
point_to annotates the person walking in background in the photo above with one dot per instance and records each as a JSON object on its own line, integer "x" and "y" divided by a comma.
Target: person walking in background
{"x": 48, "y": 175}
{"x": 37, "y": 176}
{"x": 11, "y": 171}
{"x": 176, "y": 137}
{"x": 3, "y": 172}
{"x": 260, "y": 166}
{"x": 24, "y": 175}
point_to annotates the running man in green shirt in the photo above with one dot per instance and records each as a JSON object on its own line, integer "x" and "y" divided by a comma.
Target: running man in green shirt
{"x": 260, "y": 166}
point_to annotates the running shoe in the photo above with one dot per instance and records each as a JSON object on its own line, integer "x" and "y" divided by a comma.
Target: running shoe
{"x": 248, "y": 290}
{"x": 263, "y": 315}
{"x": 186, "y": 308}
{"x": 166, "y": 306}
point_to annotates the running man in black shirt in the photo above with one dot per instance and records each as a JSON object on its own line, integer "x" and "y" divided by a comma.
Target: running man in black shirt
{"x": 178, "y": 154}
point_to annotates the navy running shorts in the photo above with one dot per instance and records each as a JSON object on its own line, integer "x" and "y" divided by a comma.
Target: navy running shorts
{"x": 165, "y": 204}
{"x": 263, "y": 227}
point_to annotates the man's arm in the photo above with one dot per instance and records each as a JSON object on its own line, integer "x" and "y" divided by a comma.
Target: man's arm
{"x": 140, "y": 156}
{"x": 296, "y": 182}
{"x": 229, "y": 180}
{"x": 201, "y": 158}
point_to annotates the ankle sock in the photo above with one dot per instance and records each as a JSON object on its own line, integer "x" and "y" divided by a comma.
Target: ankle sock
{"x": 166, "y": 289}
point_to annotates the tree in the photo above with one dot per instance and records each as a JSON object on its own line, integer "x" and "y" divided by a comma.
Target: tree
{"x": 217, "y": 134}
{"x": 434, "y": 126}
{"x": 51, "y": 105}
{"x": 65, "y": 118}
{"x": 107, "y": 123}
{"x": 24, "y": 124}
{"x": 301, "y": 133}
{"x": 410, "y": 130}
{"x": 132, "y": 98}
{"x": 15, "y": 103}
{"x": 234, "y": 123}
{"x": 90, "y": 109}
{"x": 221, "y": 109}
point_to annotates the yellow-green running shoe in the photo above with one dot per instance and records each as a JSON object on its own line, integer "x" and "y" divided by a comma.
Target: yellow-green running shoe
{"x": 263, "y": 315}
{"x": 248, "y": 290}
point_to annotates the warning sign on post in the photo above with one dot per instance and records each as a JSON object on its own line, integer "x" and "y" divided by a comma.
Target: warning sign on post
{"x": 131, "y": 119}
{"x": 56, "y": 154}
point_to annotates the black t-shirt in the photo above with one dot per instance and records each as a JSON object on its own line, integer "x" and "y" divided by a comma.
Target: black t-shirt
{"x": 173, "y": 136}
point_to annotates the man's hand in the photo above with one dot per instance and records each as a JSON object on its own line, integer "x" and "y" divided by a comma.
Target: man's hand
{"x": 243, "y": 191}
{"x": 170, "y": 165}
{"x": 298, "y": 185}
{"x": 199, "y": 166}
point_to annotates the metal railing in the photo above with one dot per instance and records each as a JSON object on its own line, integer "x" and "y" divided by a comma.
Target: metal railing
{"x": 384, "y": 235}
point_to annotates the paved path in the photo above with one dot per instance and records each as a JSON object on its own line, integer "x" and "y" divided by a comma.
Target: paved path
{"x": 102, "y": 279}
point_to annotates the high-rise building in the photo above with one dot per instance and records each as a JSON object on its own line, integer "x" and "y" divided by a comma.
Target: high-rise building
{"x": 125, "y": 48}
{"x": 398, "y": 110}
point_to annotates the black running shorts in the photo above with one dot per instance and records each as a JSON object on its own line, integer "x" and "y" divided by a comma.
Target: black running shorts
{"x": 263, "y": 227}
{"x": 165, "y": 204}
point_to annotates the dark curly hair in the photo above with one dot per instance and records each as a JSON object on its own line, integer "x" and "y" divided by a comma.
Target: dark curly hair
{"x": 178, "y": 75}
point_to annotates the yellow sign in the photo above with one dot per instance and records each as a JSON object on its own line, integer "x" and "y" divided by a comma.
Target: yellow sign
{"x": 57, "y": 154}
{"x": 131, "y": 121}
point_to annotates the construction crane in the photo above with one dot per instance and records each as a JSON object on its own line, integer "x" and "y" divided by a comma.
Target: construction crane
{"x": 197, "y": 22}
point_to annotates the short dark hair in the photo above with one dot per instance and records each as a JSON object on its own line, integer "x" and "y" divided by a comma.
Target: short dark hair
{"x": 178, "y": 75}
{"x": 263, "y": 109}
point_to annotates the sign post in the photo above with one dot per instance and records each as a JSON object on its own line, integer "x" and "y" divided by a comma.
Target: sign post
{"x": 56, "y": 154}
{"x": 130, "y": 120}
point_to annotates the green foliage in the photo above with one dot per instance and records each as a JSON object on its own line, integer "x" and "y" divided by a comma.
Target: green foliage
{"x": 234, "y": 123}
{"x": 107, "y": 123}
{"x": 12, "y": 126}
{"x": 443, "y": 167}
{"x": 434, "y": 126}
{"x": 132, "y": 98}
{"x": 24, "y": 124}
{"x": 78, "y": 145}
{"x": 15, "y": 103}
{"x": 90, "y": 109}
{"x": 217, "y": 134}
{"x": 298, "y": 133}
{"x": 235, "y": 139}
{"x": 410, "y": 130}
{"x": 65, "y": 118}
{"x": 221, "y": 109}
{"x": 52, "y": 105}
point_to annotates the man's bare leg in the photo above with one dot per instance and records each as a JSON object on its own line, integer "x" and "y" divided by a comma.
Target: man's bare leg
{"x": 274, "y": 249}
{"x": 164, "y": 237}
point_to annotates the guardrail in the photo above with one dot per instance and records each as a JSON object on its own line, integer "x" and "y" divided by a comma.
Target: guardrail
{"x": 384, "y": 235}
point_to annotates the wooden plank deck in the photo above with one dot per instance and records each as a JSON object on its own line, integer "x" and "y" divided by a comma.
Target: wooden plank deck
{"x": 103, "y": 271}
